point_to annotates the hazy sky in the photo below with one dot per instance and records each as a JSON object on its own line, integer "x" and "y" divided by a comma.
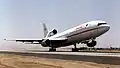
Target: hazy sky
{"x": 22, "y": 18}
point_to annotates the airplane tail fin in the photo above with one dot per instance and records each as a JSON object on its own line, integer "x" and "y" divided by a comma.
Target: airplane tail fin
{"x": 45, "y": 29}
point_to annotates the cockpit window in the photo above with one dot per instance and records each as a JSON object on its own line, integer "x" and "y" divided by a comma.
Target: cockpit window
{"x": 101, "y": 24}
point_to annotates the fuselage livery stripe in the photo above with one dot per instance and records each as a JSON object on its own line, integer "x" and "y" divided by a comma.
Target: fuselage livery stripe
{"x": 82, "y": 32}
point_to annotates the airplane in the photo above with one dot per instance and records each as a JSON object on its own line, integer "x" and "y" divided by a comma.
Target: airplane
{"x": 85, "y": 33}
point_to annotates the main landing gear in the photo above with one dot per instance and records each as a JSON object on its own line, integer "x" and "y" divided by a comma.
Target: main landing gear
{"x": 52, "y": 49}
{"x": 75, "y": 49}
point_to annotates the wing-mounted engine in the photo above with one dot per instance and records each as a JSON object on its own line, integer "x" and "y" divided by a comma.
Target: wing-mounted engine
{"x": 90, "y": 43}
{"x": 48, "y": 42}
{"x": 45, "y": 42}
{"x": 52, "y": 32}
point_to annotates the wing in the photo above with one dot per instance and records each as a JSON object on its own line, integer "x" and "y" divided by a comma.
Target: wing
{"x": 38, "y": 41}
{"x": 32, "y": 41}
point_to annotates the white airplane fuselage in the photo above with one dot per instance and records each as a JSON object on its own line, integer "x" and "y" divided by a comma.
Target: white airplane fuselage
{"x": 86, "y": 31}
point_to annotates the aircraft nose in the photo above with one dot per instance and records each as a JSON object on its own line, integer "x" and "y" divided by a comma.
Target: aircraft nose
{"x": 107, "y": 27}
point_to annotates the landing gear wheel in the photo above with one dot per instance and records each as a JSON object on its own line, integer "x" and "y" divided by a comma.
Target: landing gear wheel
{"x": 75, "y": 49}
{"x": 52, "y": 49}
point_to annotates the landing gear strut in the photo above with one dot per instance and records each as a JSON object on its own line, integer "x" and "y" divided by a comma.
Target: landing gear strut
{"x": 52, "y": 49}
{"x": 75, "y": 49}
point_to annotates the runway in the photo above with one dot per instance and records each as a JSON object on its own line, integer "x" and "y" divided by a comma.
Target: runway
{"x": 81, "y": 53}
{"x": 101, "y": 58}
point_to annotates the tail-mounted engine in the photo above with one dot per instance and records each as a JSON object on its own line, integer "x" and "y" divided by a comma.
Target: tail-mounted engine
{"x": 52, "y": 32}
{"x": 47, "y": 42}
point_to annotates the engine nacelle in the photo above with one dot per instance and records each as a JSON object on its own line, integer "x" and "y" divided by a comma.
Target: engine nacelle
{"x": 54, "y": 31}
{"x": 45, "y": 43}
{"x": 92, "y": 44}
